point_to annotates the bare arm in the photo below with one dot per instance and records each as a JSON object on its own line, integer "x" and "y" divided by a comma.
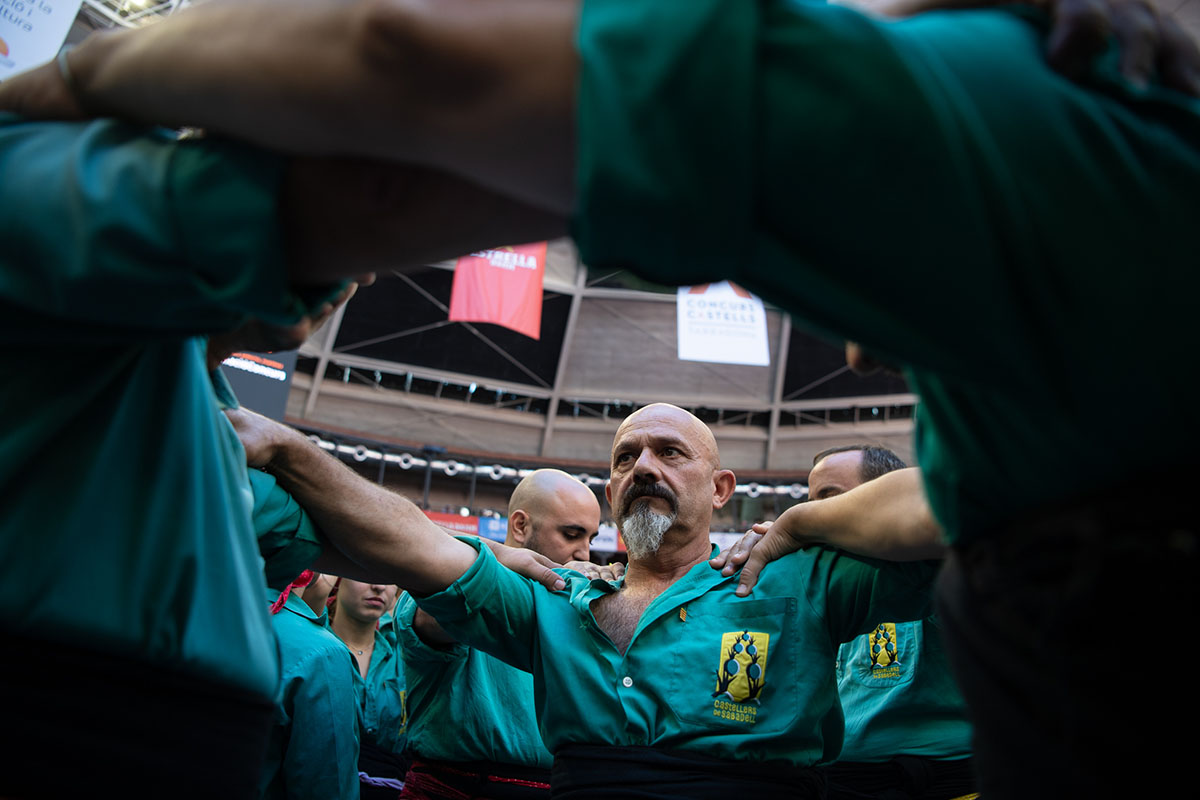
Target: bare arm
{"x": 379, "y": 535}
{"x": 485, "y": 90}
{"x": 479, "y": 89}
{"x": 369, "y": 525}
{"x": 886, "y": 518}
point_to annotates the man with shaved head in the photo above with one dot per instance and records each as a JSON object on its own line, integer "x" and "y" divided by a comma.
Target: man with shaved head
{"x": 472, "y": 724}
{"x": 554, "y": 514}
{"x": 667, "y": 683}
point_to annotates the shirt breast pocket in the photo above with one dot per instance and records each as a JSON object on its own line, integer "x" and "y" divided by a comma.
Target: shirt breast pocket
{"x": 884, "y": 658}
{"x": 735, "y": 666}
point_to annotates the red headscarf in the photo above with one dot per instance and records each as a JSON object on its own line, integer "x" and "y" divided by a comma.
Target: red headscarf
{"x": 302, "y": 580}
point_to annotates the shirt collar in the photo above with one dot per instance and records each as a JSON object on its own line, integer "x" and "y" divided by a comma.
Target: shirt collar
{"x": 695, "y": 582}
{"x": 295, "y": 603}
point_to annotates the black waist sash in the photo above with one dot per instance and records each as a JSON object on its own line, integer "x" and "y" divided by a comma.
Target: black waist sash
{"x": 380, "y": 763}
{"x": 583, "y": 772}
{"x": 901, "y": 778}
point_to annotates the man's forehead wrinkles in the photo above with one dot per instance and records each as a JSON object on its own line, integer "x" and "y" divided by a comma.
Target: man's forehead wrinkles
{"x": 658, "y": 438}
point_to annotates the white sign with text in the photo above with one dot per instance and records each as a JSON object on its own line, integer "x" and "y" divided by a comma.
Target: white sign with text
{"x": 32, "y": 31}
{"x": 722, "y": 323}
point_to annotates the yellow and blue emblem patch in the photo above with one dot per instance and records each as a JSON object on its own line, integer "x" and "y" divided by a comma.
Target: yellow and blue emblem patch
{"x": 741, "y": 674}
{"x": 884, "y": 648}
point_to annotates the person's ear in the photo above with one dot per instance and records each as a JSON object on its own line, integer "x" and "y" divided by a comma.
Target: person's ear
{"x": 724, "y": 482}
{"x": 519, "y": 527}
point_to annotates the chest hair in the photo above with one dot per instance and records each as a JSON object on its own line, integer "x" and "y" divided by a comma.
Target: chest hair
{"x": 618, "y": 614}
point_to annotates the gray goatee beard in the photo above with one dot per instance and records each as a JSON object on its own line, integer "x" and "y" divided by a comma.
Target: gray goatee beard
{"x": 643, "y": 529}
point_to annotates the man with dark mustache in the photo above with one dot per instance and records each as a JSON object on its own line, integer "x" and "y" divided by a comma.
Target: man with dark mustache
{"x": 642, "y": 529}
{"x": 664, "y": 684}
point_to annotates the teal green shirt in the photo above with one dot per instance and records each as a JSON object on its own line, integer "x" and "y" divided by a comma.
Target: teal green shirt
{"x": 899, "y": 697}
{"x": 387, "y": 626}
{"x": 382, "y": 710}
{"x": 120, "y": 479}
{"x": 1024, "y": 245}
{"x": 313, "y": 749}
{"x": 706, "y": 671}
{"x": 467, "y": 705}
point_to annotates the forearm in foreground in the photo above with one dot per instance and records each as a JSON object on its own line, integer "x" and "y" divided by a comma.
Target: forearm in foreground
{"x": 887, "y": 518}
{"x": 385, "y": 535}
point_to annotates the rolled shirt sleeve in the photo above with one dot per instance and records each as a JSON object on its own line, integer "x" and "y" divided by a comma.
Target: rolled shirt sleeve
{"x": 489, "y": 607}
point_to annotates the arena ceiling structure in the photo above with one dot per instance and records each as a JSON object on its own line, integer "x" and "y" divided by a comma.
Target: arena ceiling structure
{"x": 392, "y": 364}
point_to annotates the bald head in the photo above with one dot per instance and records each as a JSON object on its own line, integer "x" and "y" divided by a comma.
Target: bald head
{"x": 665, "y": 481}
{"x": 554, "y": 514}
{"x": 685, "y": 424}
{"x": 541, "y": 486}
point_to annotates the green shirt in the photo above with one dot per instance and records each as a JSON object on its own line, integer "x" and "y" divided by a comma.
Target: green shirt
{"x": 467, "y": 705}
{"x": 120, "y": 479}
{"x": 382, "y": 714}
{"x": 387, "y": 626}
{"x": 1025, "y": 246}
{"x": 706, "y": 671}
{"x": 899, "y": 697}
{"x": 313, "y": 749}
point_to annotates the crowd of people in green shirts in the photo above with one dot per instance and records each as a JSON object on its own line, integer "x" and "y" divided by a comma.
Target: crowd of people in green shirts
{"x": 1020, "y": 243}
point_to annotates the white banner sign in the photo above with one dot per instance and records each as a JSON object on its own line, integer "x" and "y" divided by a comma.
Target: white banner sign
{"x": 721, "y": 323}
{"x": 32, "y": 31}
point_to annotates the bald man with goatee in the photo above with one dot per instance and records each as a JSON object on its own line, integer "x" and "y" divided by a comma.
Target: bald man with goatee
{"x": 668, "y": 683}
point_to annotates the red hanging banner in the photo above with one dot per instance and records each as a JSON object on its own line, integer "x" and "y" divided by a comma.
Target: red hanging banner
{"x": 502, "y": 286}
